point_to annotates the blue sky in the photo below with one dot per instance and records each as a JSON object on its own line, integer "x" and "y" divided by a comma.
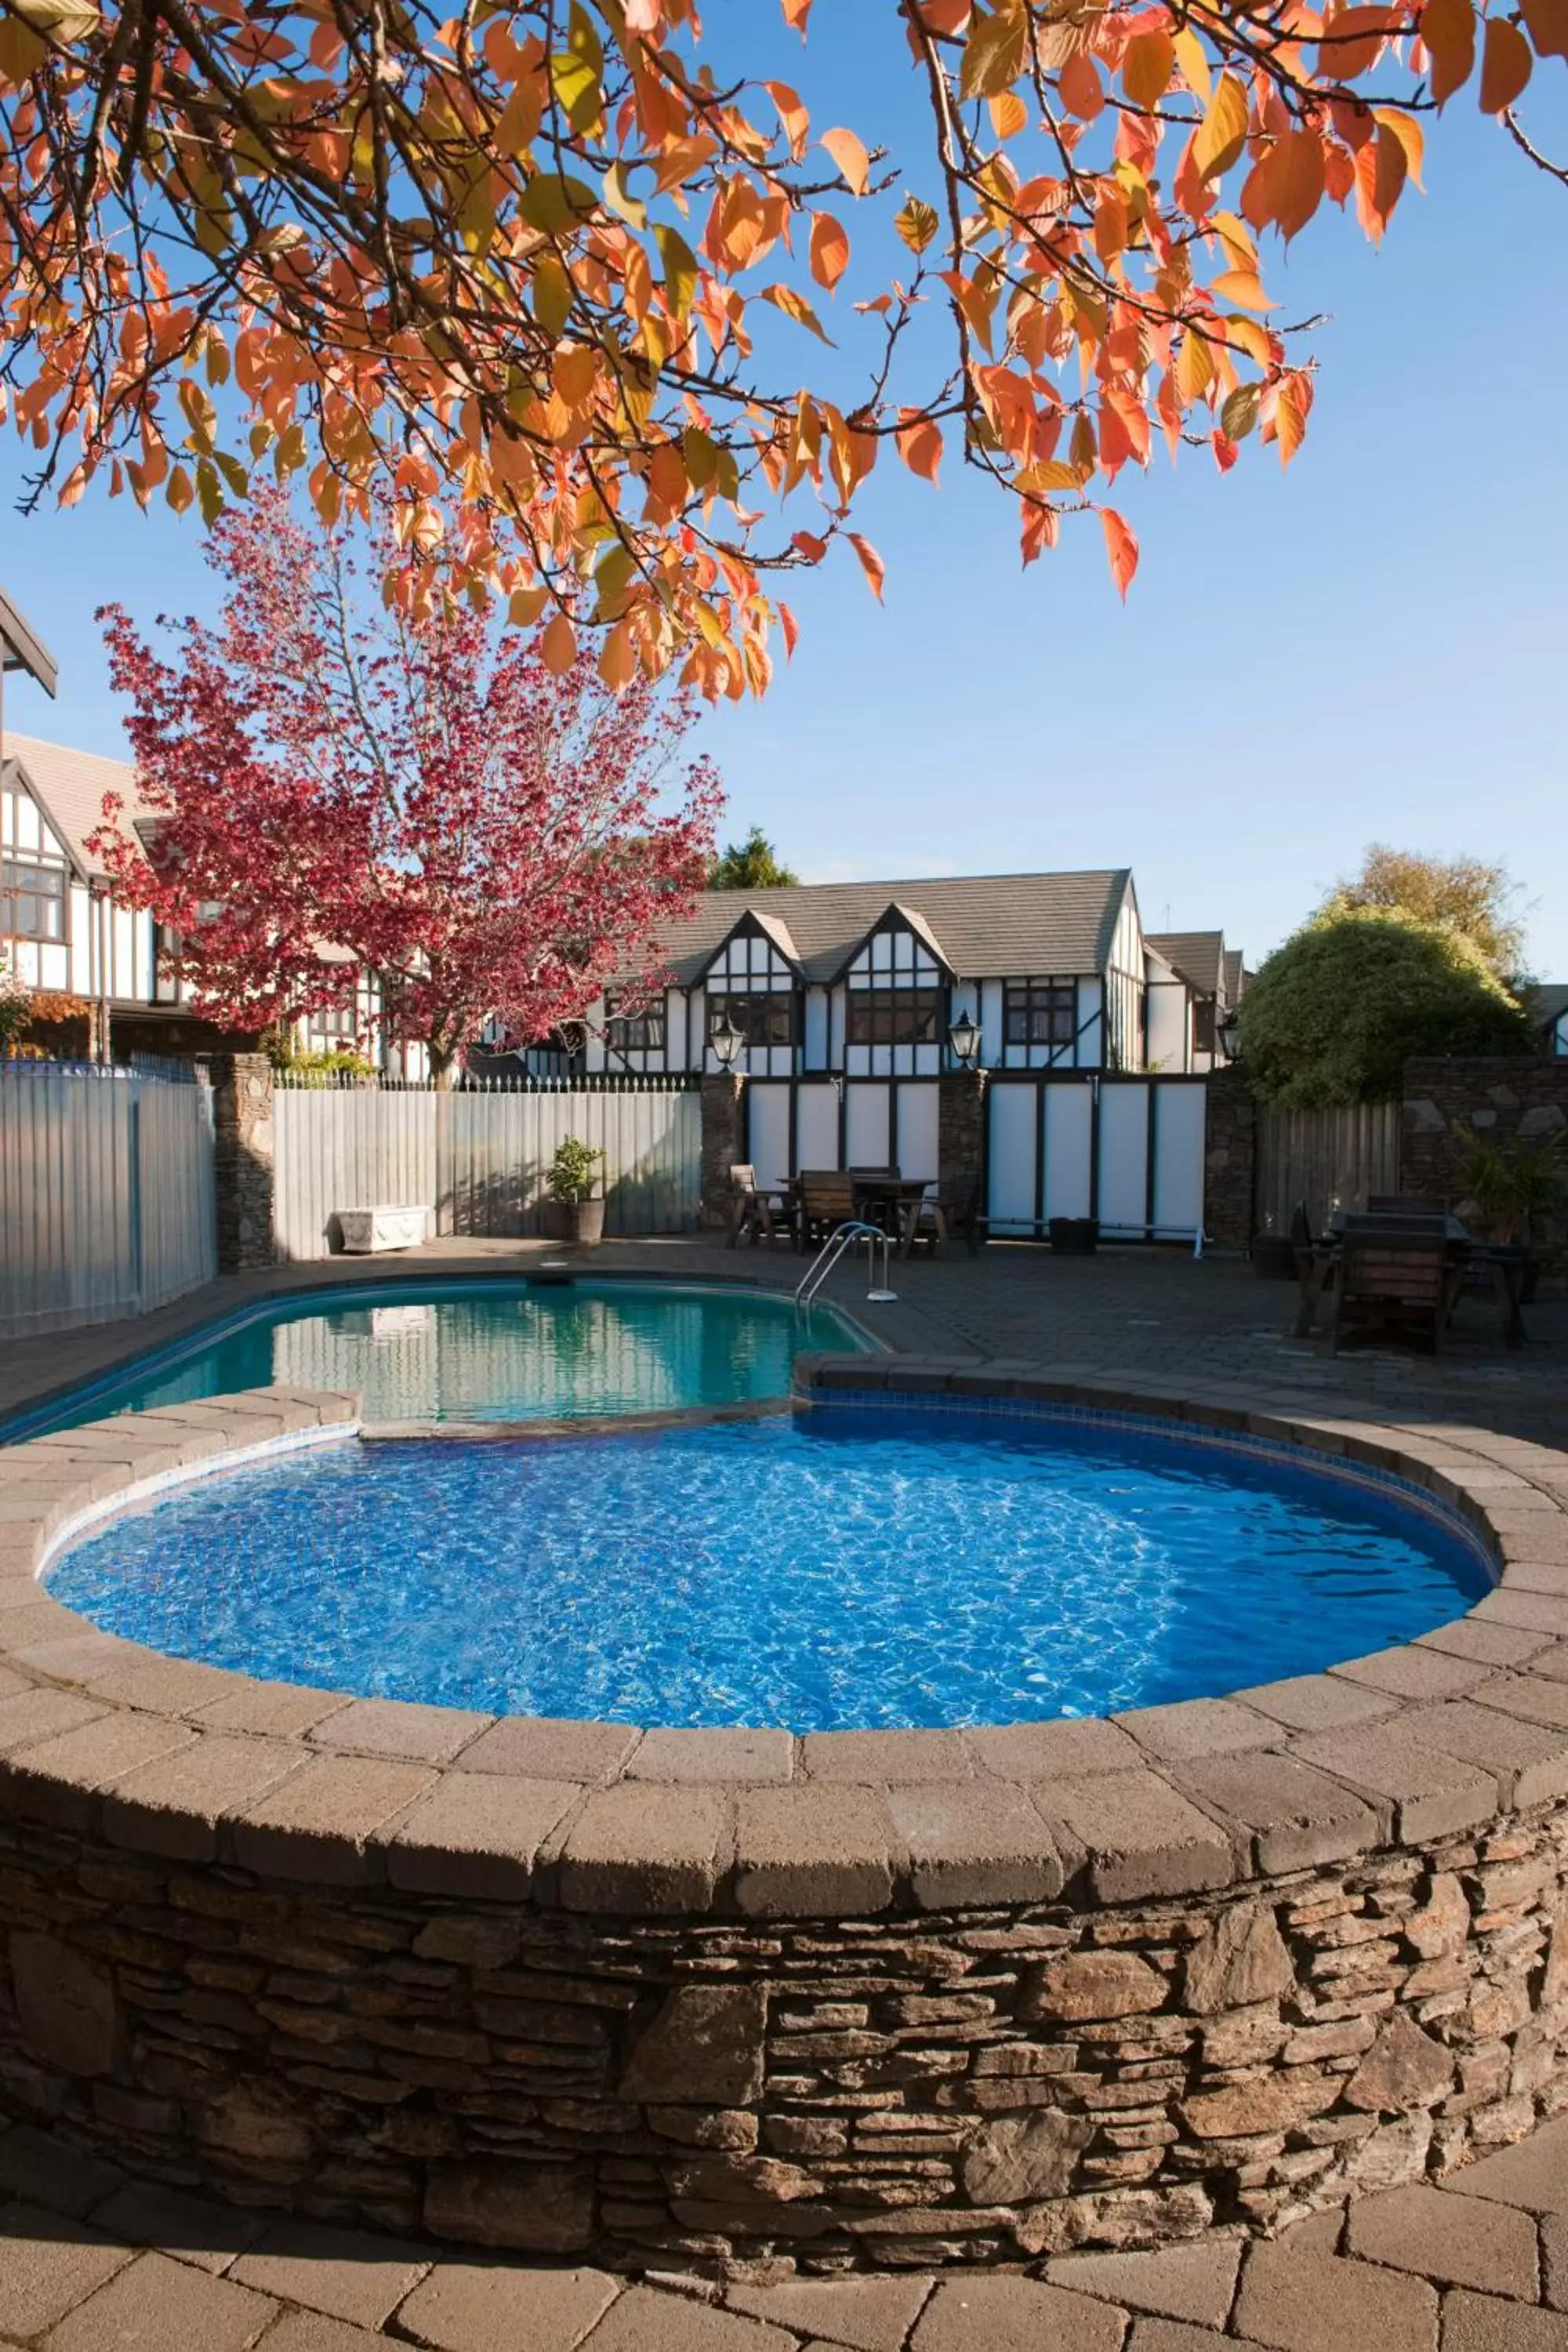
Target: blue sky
{"x": 1370, "y": 647}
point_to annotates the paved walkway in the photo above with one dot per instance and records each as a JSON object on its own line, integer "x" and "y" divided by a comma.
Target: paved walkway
{"x": 1139, "y": 1312}
{"x": 93, "y": 2263}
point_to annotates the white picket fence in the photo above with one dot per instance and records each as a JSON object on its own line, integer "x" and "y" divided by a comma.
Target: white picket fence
{"x": 477, "y": 1157}
{"x": 107, "y": 1205}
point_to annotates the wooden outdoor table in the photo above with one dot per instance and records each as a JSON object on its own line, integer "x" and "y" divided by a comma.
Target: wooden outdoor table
{"x": 1506, "y": 1267}
{"x": 894, "y": 1203}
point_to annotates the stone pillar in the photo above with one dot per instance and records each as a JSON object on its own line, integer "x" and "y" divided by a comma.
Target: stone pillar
{"x": 242, "y": 1123}
{"x": 723, "y": 1145}
{"x": 1230, "y": 1143}
{"x": 961, "y": 1130}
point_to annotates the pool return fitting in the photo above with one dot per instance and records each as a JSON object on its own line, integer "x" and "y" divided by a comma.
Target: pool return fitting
{"x": 843, "y": 1237}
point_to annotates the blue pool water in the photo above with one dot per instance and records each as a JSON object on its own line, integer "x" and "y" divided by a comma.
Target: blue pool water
{"x": 491, "y": 1351}
{"x": 849, "y": 1568}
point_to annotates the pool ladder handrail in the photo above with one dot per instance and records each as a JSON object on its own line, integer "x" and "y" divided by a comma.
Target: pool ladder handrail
{"x": 841, "y": 1239}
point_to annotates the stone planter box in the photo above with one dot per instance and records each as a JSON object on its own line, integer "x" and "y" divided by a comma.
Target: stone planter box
{"x": 866, "y": 1998}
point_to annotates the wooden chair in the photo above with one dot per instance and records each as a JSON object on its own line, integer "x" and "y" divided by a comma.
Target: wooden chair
{"x": 826, "y": 1199}
{"x": 947, "y": 1210}
{"x": 755, "y": 1216}
{"x": 1399, "y": 1282}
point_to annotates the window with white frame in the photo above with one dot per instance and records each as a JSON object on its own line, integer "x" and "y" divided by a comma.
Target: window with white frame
{"x": 32, "y": 896}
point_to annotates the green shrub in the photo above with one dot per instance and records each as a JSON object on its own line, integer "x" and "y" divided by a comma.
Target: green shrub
{"x": 1333, "y": 1015}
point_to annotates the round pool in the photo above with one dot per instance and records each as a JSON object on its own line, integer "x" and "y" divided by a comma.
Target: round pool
{"x": 489, "y": 1350}
{"x": 847, "y": 1567}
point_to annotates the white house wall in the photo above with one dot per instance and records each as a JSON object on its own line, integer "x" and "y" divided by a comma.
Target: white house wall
{"x": 1169, "y": 1025}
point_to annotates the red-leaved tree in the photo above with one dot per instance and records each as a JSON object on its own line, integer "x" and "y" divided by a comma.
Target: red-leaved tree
{"x": 326, "y": 777}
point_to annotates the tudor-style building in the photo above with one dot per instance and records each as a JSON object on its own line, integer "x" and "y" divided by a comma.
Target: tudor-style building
{"x": 866, "y": 978}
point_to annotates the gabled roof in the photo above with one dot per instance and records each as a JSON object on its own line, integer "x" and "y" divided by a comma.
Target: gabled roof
{"x": 989, "y": 926}
{"x": 1198, "y": 956}
{"x": 69, "y": 786}
{"x": 1235, "y": 975}
{"x": 1546, "y": 1001}
{"x": 896, "y": 917}
{"x": 21, "y": 647}
{"x": 773, "y": 926}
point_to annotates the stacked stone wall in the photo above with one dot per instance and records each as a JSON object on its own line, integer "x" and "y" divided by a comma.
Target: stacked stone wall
{"x": 1505, "y": 1099}
{"x": 977, "y": 2085}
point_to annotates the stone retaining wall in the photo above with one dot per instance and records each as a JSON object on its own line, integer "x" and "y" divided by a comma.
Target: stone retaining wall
{"x": 863, "y": 1999}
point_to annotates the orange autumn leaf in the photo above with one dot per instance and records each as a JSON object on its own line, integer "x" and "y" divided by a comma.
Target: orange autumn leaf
{"x": 919, "y": 440}
{"x": 849, "y": 153}
{"x": 558, "y": 646}
{"x": 1147, "y": 66}
{"x": 1121, "y": 547}
{"x": 1449, "y": 36}
{"x": 1548, "y": 23}
{"x": 1506, "y": 64}
{"x": 871, "y": 563}
{"x": 830, "y": 250}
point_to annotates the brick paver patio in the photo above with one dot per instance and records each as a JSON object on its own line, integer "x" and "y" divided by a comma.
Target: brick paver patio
{"x": 90, "y": 2261}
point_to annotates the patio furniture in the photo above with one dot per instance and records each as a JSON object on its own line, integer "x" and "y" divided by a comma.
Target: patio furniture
{"x": 887, "y": 1198}
{"x": 825, "y": 1198}
{"x": 762, "y": 1211}
{"x": 1394, "y": 1280}
{"x": 943, "y": 1210}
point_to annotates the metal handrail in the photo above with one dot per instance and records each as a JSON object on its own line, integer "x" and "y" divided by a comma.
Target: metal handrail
{"x": 833, "y": 1249}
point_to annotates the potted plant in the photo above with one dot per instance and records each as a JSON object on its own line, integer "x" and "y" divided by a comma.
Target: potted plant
{"x": 1506, "y": 1185}
{"x": 16, "y": 1010}
{"x": 571, "y": 1213}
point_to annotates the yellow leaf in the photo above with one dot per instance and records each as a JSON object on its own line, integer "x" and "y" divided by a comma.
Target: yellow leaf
{"x": 526, "y": 605}
{"x": 179, "y": 493}
{"x": 1222, "y": 133}
{"x": 1240, "y": 251}
{"x": 1408, "y": 132}
{"x": 994, "y": 52}
{"x": 1195, "y": 366}
{"x": 1008, "y": 114}
{"x": 1193, "y": 62}
{"x": 679, "y": 269}
{"x": 917, "y": 223}
{"x": 849, "y": 153}
{"x": 1246, "y": 335}
{"x": 553, "y": 201}
{"x": 795, "y": 306}
{"x": 551, "y": 293}
{"x": 620, "y": 199}
{"x": 1239, "y": 414}
{"x": 1242, "y": 288}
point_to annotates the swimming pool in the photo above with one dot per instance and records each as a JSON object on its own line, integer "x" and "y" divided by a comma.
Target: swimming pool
{"x": 849, "y": 1567}
{"x": 495, "y": 1350}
